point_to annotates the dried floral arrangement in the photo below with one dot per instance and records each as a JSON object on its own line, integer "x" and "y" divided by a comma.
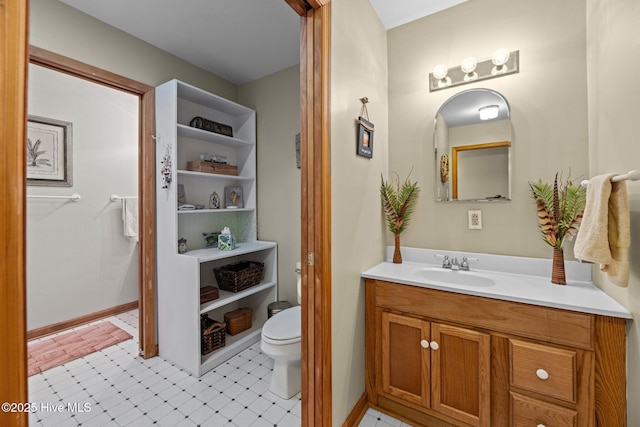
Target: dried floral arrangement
{"x": 560, "y": 208}
{"x": 398, "y": 203}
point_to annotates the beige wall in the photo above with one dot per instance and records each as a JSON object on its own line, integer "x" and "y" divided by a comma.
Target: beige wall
{"x": 62, "y": 29}
{"x": 549, "y": 113}
{"x": 358, "y": 69}
{"x": 612, "y": 58}
{"x": 276, "y": 98}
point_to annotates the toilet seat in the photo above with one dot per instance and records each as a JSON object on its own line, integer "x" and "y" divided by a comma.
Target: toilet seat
{"x": 283, "y": 328}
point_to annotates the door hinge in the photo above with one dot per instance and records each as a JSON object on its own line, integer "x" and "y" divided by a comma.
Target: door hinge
{"x": 310, "y": 258}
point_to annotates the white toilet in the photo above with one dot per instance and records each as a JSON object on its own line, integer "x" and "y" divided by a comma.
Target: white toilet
{"x": 281, "y": 335}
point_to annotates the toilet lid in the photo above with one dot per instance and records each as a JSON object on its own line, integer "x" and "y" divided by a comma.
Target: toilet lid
{"x": 284, "y": 326}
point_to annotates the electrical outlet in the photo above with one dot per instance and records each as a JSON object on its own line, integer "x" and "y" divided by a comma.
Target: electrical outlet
{"x": 475, "y": 219}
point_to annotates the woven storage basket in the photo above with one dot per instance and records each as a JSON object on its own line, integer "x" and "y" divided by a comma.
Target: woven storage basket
{"x": 212, "y": 335}
{"x": 238, "y": 320}
{"x": 239, "y": 276}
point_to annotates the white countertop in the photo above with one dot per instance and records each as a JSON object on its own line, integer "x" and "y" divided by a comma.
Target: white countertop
{"x": 534, "y": 287}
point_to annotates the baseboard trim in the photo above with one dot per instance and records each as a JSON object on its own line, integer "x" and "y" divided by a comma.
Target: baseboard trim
{"x": 357, "y": 413}
{"x": 72, "y": 323}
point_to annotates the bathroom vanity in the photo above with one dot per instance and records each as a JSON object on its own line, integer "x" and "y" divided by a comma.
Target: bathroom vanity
{"x": 491, "y": 347}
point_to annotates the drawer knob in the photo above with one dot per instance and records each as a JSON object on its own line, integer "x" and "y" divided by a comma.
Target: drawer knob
{"x": 541, "y": 425}
{"x": 424, "y": 344}
{"x": 434, "y": 345}
{"x": 543, "y": 375}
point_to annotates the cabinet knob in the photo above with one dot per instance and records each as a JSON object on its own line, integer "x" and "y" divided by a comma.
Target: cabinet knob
{"x": 543, "y": 375}
{"x": 424, "y": 344}
{"x": 541, "y": 425}
{"x": 434, "y": 345}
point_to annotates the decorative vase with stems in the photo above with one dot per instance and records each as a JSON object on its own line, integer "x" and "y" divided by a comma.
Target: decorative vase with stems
{"x": 560, "y": 209}
{"x": 398, "y": 202}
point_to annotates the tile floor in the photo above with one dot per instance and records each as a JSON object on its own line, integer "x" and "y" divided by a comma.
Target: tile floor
{"x": 115, "y": 387}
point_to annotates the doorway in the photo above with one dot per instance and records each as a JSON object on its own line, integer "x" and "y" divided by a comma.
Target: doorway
{"x": 145, "y": 187}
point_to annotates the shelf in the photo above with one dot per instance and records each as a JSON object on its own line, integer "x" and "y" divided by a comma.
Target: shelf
{"x": 196, "y": 211}
{"x": 212, "y": 254}
{"x": 215, "y": 175}
{"x": 200, "y": 96}
{"x": 204, "y": 135}
{"x": 233, "y": 345}
{"x": 227, "y": 297}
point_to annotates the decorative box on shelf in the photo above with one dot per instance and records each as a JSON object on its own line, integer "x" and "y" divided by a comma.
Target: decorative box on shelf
{"x": 211, "y": 126}
{"x": 238, "y": 320}
{"x": 212, "y": 167}
{"x": 209, "y": 293}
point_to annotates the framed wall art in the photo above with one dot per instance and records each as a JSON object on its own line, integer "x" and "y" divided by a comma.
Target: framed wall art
{"x": 233, "y": 197}
{"x": 365, "y": 138}
{"x": 49, "y": 152}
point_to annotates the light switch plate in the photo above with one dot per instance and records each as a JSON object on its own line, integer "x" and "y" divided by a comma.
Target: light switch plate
{"x": 475, "y": 219}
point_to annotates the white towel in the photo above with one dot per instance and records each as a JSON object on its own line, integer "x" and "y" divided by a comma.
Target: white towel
{"x": 130, "y": 217}
{"x": 604, "y": 235}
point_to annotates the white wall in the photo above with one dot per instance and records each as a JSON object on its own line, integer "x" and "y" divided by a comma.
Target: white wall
{"x": 78, "y": 261}
{"x": 276, "y": 98}
{"x": 358, "y": 69}
{"x": 612, "y": 58}
{"x": 549, "y": 113}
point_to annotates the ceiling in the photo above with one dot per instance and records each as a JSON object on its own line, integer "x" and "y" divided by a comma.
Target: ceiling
{"x": 238, "y": 40}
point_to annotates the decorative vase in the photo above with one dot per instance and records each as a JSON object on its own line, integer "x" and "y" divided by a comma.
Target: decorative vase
{"x": 557, "y": 272}
{"x": 397, "y": 256}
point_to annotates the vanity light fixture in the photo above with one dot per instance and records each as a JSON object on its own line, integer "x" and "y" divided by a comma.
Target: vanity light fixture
{"x": 488, "y": 112}
{"x": 501, "y": 63}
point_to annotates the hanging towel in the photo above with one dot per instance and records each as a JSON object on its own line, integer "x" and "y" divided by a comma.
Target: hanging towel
{"x": 130, "y": 217}
{"x": 604, "y": 235}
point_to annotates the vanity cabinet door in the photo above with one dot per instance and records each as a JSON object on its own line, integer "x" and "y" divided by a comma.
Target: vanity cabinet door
{"x": 460, "y": 372}
{"x": 405, "y": 358}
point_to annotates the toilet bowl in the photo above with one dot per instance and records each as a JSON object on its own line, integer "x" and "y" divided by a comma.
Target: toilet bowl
{"x": 281, "y": 336}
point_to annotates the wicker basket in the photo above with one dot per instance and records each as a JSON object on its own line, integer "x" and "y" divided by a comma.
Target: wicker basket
{"x": 238, "y": 320}
{"x": 212, "y": 335}
{"x": 239, "y": 276}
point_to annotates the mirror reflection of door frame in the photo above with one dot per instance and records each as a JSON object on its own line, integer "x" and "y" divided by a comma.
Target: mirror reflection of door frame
{"x": 454, "y": 160}
{"x": 146, "y": 184}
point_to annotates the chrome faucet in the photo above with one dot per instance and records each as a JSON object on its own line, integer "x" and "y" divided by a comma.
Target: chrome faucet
{"x": 464, "y": 265}
{"x": 446, "y": 262}
{"x": 454, "y": 264}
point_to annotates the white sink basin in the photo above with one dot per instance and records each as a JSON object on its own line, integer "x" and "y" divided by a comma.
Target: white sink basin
{"x": 454, "y": 277}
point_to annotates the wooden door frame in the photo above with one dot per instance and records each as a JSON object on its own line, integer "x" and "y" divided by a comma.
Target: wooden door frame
{"x": 14, "y": 16}
{"x": 315, "y": 38}
{"x": 146, "y": 184}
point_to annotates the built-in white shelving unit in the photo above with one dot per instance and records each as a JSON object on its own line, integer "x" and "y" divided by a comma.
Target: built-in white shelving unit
{"x": 180, "y": 276}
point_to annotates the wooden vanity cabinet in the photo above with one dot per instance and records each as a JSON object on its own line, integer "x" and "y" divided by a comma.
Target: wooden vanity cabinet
{"x": 439, "y": 359}
{"x": 435, "y": 366}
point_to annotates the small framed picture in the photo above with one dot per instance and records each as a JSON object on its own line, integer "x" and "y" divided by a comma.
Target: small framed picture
{"x": 49, "y": 152}
{"x": 233, "y": 197}
{"x": 365, "y": 138}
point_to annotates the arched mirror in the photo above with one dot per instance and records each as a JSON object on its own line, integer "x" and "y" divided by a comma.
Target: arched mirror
{"x": 473, "y": 140}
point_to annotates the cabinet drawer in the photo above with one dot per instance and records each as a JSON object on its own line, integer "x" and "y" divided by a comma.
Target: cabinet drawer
{"x": 527, "y": 412}
{"x": 543, "y": 369}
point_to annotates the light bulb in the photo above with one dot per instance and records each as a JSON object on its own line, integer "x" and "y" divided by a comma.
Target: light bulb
{"x": 468, "y": 65}
{"x": 500, "y": 57}
{"x": 440, "y": 71}
{"x": 468, "y": 68}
